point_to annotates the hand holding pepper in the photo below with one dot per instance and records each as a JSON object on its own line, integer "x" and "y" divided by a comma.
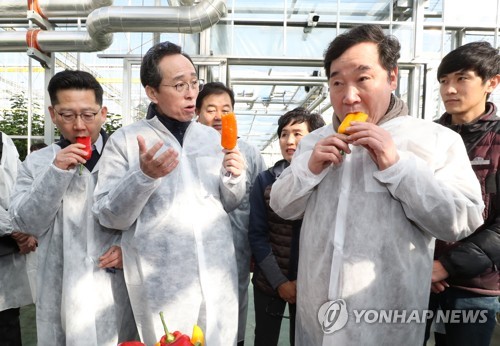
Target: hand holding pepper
{"x": 374, "y": 138}
{"x": 70, "y": 156}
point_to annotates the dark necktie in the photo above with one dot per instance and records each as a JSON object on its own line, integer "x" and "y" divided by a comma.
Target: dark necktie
{"x": 93, "y": 160}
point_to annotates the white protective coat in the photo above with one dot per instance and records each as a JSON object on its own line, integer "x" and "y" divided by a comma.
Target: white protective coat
{"x": 78, "y": 303}
{"x": 178, "y": 246}
{"x": 239, "y": 223}
{"x": 14, "y": 284}
{"x": 367, "y": 235}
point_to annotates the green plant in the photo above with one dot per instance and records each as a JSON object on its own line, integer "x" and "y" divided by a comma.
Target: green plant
{"x": 14, "y": 122}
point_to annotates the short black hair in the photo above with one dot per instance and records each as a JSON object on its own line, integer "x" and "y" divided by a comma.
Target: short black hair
{"x": 74, "y": 80}
{"x": 478, "y": 56}
{"x": 388, "y": 46}
{"x": 213, "y": 88}
{"x": 150, "y": 70}
{"x": 300, "y": 115}
{"x": 37, "y": 146}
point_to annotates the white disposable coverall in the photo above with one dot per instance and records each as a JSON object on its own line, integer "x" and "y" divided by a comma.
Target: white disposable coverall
{"x": 239, "y": 223}
{"x": 14, "y": 284}
{"x": 367, "y": 235}
{"x": 177, "y": 245}
{"x": 78, "y": 303}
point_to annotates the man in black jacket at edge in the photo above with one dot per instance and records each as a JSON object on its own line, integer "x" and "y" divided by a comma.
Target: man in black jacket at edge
{"x": 465, "y": 274}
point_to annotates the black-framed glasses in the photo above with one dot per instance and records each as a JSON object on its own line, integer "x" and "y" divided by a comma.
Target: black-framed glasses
{"x": 182, "y": 87}
{"x": 272, "y": 313}
{"x": 70, "y": 117}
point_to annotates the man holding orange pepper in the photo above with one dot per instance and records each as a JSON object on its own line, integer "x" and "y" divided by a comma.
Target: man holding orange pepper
{"x": 163, "y": 183}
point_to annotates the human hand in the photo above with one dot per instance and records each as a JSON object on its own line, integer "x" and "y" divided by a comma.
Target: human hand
{"x": 156, "y": 167}
{"x": 439, "y": 273}
{"x": 288, "y": 291}
{"x": 234, "y": 162}
{"x": 376, "y": 140}
{"x": 328, "y": 151}
{"x": 112, "y": 258}
{"x": 26, "y": 243}
{"x": 440, "y": 286}
{"x": 70, "y": 156}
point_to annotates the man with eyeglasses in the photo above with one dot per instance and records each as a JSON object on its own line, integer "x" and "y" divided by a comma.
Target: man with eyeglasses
{"x": 81, "y": 294}
{"x": 166, "y": 182}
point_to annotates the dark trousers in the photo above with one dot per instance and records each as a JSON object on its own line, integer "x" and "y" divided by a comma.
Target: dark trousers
{"x": 471, "y": 333}
{"x": 439, "y": 339}
{"x": 10, "y": 327}
{"x": 268, "y": 316}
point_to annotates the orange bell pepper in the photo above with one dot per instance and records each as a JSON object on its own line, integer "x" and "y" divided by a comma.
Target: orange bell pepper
{"x": 229, "y": 131}
{"x": 358, "y": 116}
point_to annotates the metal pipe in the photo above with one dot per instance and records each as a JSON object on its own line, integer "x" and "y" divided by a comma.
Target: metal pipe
{"x": 181, "y": 19}
{"x": 53, "y": 41}
{"x": 51, "y": 8}
{"x": 275, "y": 80}
{"x": 103, "y": 22}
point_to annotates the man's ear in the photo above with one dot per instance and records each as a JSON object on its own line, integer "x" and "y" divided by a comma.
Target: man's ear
{"x": 493, "y": 83}
{"x": 52, "y": 114}
{"x": 104, "y": 113}
{"x": 152, "y": 94}
{"x": 393, "y": 78}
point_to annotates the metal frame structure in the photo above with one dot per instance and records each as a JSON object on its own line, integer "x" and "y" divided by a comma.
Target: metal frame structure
{"x": 62, "y": 33}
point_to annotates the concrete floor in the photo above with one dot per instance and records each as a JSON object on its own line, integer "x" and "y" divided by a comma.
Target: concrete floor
{"x": 28, "y": 327}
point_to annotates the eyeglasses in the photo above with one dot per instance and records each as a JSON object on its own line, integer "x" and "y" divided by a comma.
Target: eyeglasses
{"x": 182, "y": 87}
{"x": 70, "y": 117}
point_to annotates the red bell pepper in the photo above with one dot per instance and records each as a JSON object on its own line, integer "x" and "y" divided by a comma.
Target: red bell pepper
{"x": 179, "y": 340}
{"x": 87, "y": 141}
{"x": 176, "y": 338}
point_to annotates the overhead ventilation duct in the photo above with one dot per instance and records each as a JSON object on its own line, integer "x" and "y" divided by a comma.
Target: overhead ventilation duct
{"x": 103, "y": 22}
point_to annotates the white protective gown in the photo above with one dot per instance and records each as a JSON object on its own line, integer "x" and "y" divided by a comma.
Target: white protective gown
{"x": 177, "y": 240}
{"x": 78, "y": 303}
{"x": 367, "y": 235}
{"x": 14, "y": 284}
{"x": 239, "y": 223}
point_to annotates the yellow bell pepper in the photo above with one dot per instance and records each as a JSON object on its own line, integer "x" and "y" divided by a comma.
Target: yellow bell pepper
{"x": 197, "y": 337}
{"x": 358, "y": 116}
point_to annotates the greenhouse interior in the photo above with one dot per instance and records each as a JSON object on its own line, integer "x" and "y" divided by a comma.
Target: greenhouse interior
{"x": 269, "y": 52}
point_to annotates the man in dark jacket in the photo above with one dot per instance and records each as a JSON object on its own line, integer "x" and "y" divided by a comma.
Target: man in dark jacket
{"x": 465, "y": 274}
